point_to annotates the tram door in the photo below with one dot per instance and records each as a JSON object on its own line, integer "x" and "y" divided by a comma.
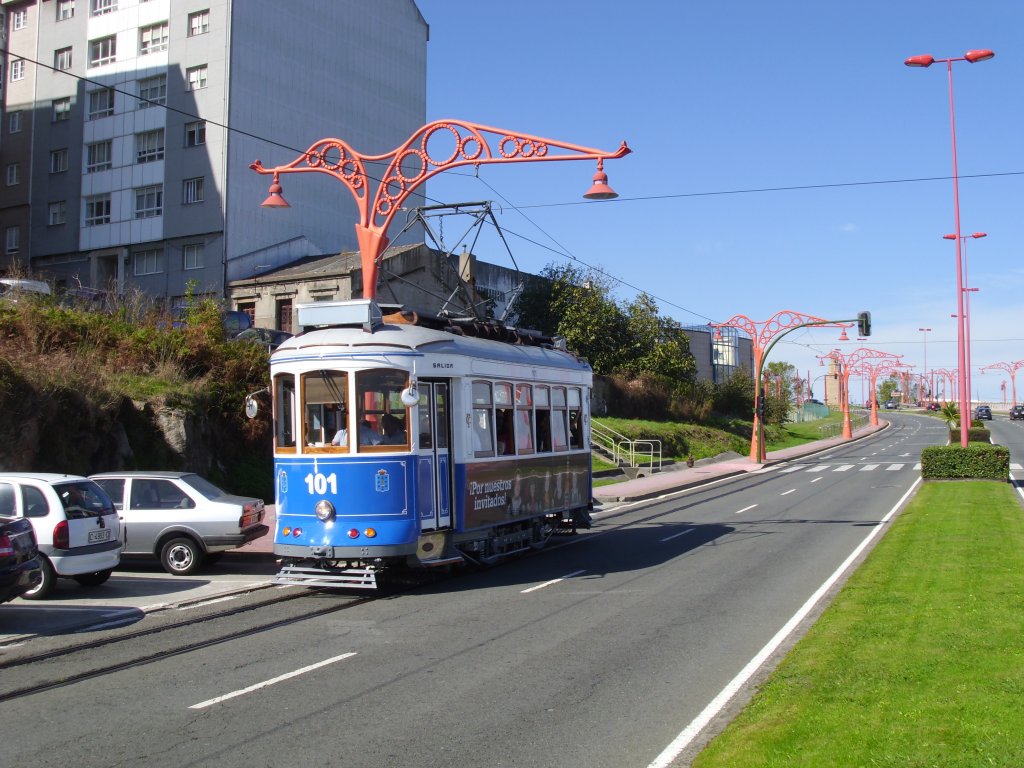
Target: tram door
{"x": 433, "y": 464}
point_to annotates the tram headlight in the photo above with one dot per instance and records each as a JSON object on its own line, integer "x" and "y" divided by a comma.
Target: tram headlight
{"x": 324, "y": 510}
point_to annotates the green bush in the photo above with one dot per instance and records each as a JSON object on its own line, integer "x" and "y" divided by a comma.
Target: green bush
{"x": 977, "y": 461}
{"x": 975, "y": 434}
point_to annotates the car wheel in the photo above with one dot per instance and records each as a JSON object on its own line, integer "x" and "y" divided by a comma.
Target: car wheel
{"x": 181, "y": 556}
{"x": 94, "y": 579}
{"x": 45, "y": 587}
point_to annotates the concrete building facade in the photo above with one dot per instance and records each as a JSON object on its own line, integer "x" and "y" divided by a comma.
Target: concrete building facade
{"x": 128, "y": 127}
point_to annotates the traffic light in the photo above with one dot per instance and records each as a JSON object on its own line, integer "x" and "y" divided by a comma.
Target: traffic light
{"x": 864, "y": 324}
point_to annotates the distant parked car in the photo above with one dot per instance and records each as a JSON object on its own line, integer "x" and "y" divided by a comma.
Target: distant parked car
{"x": 891, "y": 404}
{"x": 75, "y": 525}
{"x": 1017, "y": 412}
{"x": 180, "y": 517}
{"x": 933, "y": 407}
{"x": 234, "y": 321}
{"x": 19, "y": 554}
{"x": 983, "y": 412}
{"x": 13, "y": 288}
{"x": 267, "y": 336}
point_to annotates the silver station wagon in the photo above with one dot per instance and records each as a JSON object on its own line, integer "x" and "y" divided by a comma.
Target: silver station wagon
{"x": 182, "y": 518}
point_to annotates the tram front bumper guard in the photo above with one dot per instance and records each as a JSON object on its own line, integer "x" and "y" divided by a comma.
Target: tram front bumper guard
{"x": 300, "y": 576}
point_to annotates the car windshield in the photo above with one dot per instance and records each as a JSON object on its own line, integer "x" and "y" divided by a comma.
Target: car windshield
{"x": 204, "y": 486}
{"x": 83, "y": 499}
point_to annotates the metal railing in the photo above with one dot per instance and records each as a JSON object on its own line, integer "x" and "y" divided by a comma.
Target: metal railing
{"x": 624, "y": 451}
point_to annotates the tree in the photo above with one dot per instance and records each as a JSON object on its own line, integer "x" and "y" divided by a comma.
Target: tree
{"x": 777, "y": 381}
{"x": 886, "y": 389}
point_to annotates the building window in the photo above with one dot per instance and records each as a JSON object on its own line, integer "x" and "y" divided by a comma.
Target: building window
{"x": 148, "y": 262}
{"x": 57, "y": 213}
{"x": 61, "y": 109}
{"x": 102, "y": 51}
{"x": 62, "y": 59}
{"x": 283, "y": 315}
{"x": 101, "y": 103}
{"x": 198, "y": 23}
{"x": 97, "y": 210}
{"x": 196, "y": 78}
{"x": 100, "y": 7}
{"x": 153, "y": 39}
{"x": 13, "y": 174}
{"x": 17, "y": 70}
{"x": 20, "y": 19}
{"x": 193, "y": 191}
{"x": 152, "y": 90}
{"x": 193, "y": 255}
{"x": 149, "y": 146}
{"x": 149, "y": 202}
{"x": 65, "y": 10}
{"x": 14, "y": 122}
{"x": 59, "y": 160}
{"x": 13, "y": 239}
{"x": 195, "y": 133}
{"x": 98, "y": 156}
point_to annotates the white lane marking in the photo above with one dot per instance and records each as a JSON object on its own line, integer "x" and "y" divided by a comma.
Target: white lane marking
{"x": 843, "y": 467}
{"x": 1016, "y": 485}
{"x": 918, "y": 465}
{"x": 553, "y": 581}
{"x": 786, "y": 493}
{"x": 673, "y": 750}
{"x": 746, "y": 509}
{"x": 819, "y": 468}
{"x": 893, "y": 467}
{"x": 675, "y": 535}
{"x": 272, "y": 681}
{"x": 1015, "y": 466}
{"x": 794, "y": 468}
{"x": 815, "y": 479}
{"x": 868, "y": 467}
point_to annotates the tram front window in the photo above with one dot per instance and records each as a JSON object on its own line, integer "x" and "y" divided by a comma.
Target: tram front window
{"x": 381, "y": 417}
{"x": 324, "y": 397}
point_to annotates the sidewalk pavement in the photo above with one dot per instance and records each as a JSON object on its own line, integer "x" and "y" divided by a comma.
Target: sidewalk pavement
{"x": 677, "y": 478}
{"x": 657, "y": 484}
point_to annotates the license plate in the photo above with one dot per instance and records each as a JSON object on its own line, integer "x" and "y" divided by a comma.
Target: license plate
{"x": 101, "y": 535}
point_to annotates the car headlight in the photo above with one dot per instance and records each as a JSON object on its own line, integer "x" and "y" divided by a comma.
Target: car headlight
{"x": 324, "y": 510}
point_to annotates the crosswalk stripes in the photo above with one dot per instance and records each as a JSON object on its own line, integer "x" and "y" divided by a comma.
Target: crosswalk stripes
{"x": 863, "y": 467}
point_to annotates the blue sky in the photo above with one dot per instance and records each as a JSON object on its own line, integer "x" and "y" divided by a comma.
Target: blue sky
{"x": 808, "y": 99}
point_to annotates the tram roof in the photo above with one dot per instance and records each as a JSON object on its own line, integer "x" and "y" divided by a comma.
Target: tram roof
{"x": 404, "y": 332}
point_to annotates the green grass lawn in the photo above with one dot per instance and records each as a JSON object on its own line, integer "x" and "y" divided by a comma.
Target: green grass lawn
{"x": 919, "y": 661}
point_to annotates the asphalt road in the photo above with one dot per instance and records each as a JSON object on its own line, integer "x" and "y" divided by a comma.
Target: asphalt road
{"x": 601, "y": 651}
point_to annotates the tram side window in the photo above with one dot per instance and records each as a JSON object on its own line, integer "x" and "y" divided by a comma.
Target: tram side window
{"x": 324, "y": 397}
{"x": 483, "y": 434}
{"x": 503, "y": 419}
{"x": 284, "y": 411}
{"x": 379, "y": 394}
{"x": 542, "y": 416}
{"x": 575, "y": 419}
{"x": 524, "y": 418}
{"x": 558, "y": 419}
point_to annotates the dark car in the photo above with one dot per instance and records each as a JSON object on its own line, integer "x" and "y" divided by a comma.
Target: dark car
{"x": 1017, "y": 412}
{"x": 933, "y": 407}
{"x": 983, "y": 412}
{"x": 19, "y": 557}
{"x": 269, "y": 337}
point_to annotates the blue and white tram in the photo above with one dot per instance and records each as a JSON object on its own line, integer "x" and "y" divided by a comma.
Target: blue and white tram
{"x": 399, "y": 441}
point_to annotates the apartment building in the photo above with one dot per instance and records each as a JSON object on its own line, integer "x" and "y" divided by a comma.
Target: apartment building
{"x": 128, "y": 128}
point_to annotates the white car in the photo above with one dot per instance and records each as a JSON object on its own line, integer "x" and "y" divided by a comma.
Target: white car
{"x": 75, "y": 523}
{"x": 180, "y": 517}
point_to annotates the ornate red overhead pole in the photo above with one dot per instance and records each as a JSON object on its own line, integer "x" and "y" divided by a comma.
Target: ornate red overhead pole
{"x": 872, "y": 369}
{"x": 411, "y": 164}
{"x": 847, "y": 363}
{"x": 763, "y": 336}
{"x": 1010, "y": 368}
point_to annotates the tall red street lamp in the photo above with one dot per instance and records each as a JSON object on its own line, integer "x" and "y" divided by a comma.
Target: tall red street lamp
{"x": 871, "y": 369}
{"x": 1010, "y": 368}
{"x": 967, "y": 300}
{"x": 926, "y": 61}
{"x": 924, "y": 374}
{"x": 763, "y": 336}
{"x": 434, "y": 148}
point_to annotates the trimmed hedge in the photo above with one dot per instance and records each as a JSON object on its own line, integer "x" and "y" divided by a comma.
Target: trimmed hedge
{"x": 976, "y": 461}
{"x": 975, "y": 434}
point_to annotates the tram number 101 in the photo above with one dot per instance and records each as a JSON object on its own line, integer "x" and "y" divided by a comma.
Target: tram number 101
{"x": 320, "y": 483}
